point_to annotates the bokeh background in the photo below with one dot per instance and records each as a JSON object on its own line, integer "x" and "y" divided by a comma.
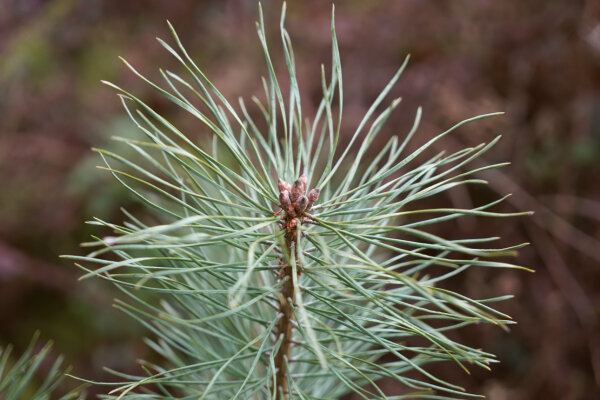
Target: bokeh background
{"x": 537, "y": 60}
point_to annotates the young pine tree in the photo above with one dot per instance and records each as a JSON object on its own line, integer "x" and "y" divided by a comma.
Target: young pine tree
{"x": 285, "y": 265}
{"x": 16, "y": 376}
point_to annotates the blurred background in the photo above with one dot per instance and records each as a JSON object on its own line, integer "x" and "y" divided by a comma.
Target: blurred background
{"x": 539, "y": 61}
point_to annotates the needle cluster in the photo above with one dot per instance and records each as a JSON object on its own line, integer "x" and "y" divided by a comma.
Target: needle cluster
{"x": 325, "y": 297}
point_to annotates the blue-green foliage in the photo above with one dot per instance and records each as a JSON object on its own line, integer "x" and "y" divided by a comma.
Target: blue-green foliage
{"x": 367, "y": 270}
{"x": 17, "y": 376}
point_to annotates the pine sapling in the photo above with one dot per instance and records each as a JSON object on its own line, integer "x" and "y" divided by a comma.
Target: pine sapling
{"x": 284, "y": 265}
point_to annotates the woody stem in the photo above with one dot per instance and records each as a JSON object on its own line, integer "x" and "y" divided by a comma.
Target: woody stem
{"x": 284, "y": 329}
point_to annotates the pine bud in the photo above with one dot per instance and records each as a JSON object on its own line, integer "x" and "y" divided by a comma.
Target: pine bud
{"x": 301, "y": 204}
{"x": 313, "y": 196}
{"x": 296, "y": 191}
{"x": 304, "y": 181}
{"x": 283, "y": 185}
{"x": 284, "y": 199}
